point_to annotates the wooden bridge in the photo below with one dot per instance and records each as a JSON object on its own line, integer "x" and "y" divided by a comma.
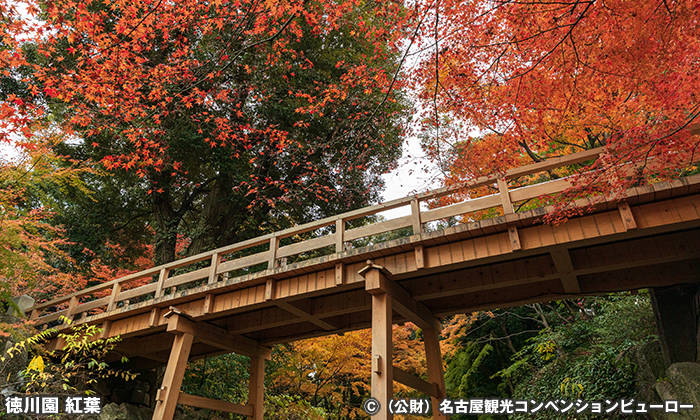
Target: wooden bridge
{"x": 248, "y": 296}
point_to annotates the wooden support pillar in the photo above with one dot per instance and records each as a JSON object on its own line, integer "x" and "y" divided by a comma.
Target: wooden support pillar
{"x": 382, "y": 366}
{"x": 256, "y": 392}
{"x": 435, "y": 373}
{"x": 676, "y": 311}
{"x": 169, "y": 392}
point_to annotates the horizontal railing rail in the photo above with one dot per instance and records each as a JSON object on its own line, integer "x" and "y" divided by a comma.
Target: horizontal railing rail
{"x": 155, "y": 282}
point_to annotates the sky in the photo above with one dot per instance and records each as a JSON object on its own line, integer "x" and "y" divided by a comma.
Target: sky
{"x": 410, "y": 177}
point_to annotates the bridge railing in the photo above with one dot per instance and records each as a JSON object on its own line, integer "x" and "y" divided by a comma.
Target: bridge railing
{"x": 217, "y": 267}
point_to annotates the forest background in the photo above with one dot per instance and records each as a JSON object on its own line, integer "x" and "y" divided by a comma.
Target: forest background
{"x": 152, "y": 130}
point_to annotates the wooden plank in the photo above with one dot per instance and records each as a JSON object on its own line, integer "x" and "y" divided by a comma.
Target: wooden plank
{"x": 444, "y": 254}
{"x": 476, "y": 204}
{"x": 604, "y": 223}
{"x": 415, "y": 382}
{"x": 202, "y": 273}
{"x": 377, "y": 228}
{"x": 627, "y": 216}
{"x": 538, "y": 190}
{"x": 308, "y": 245}
{"x": 138, "y": 291}
{"x": 208, "y": 403}
{"x": 93, "y": 304}
{"x": 243, "y": 262}
{"x": 589, "y": 227}
{"x": 555, "y": 163}
{"x": 687, "y": 208}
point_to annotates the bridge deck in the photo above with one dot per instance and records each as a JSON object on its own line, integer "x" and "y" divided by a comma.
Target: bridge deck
{"x": 650, "y": 240}
{"x": 647, "y": 240}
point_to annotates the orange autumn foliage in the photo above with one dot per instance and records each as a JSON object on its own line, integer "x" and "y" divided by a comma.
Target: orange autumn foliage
{"x": 539, "y": 79}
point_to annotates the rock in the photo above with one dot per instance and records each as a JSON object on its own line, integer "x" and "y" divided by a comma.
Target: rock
{"x": 134, "y": 412}
{"x": 650, "y": 364}
{"x": 649, "y": 396}
{"x": 112, "y": 412}
{"x": 23, "y": 302}
{"x": 681, "y": 384}
{"x": 139, "y": 397}
{"x": 102, "y": 388}
{"x": 146, "y": 412}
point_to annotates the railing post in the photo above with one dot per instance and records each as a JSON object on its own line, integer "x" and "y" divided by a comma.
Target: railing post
{"x": 273, "y": 253}
{"x": 116, "y": 289}
{"x": 161, "y": 281}
{"x": 415, "y": 214}
{"x": 505, "y": 196}
{"x": 215, "y": 260}
{"x": 71, "y": 309}
{"x": 339, "y": 235}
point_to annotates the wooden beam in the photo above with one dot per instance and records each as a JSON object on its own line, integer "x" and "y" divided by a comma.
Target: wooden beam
{"x": 420, "y": 261}
{"x": 208, "y": 304}
{"x": 256, "y": 386}
{"x": 305, "y": 315}
{"x": 153, "y": 318}
{"x": 382, "y": 373}
{"x": 105, "y": 329}
{"x": 208, "y": 403}
{"x": 269, "y": 289}
{"x": 169, "y": 392}
{"x": 565, "y": 270}
{"x": 376, "y": 281}
{"x": 217, "y": 336}
{"x": 339, "y": 274}
{"x": 415, "y": 382}
{"x": 436, "y": 375}
{"x": 627, "y": 216}
{"x": 514, "y": 238}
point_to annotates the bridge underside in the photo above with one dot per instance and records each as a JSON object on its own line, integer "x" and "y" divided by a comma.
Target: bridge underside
{"x": 648, "y": 241}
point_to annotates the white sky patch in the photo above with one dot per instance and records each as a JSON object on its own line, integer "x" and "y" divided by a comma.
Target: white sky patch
{"x": 415, "y": 174}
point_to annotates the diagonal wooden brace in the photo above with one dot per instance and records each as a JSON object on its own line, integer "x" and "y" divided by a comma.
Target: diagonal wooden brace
{"x": 403, "y": 302}
{"x": 217, "y": 336}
